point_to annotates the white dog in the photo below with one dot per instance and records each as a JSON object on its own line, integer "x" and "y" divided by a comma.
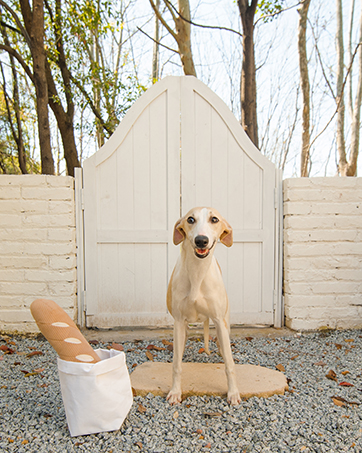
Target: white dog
{"x": 196, "y": 291}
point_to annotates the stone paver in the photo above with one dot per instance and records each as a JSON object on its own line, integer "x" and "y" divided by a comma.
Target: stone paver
{"x": 207, "y": 379}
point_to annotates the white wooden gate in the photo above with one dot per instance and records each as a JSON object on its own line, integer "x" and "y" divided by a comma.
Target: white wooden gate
{"x": 179, "y": 146}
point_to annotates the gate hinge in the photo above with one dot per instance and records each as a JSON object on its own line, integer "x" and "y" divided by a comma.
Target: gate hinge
{"x": 82, "y": 199}
{"x": 276, "y": 198}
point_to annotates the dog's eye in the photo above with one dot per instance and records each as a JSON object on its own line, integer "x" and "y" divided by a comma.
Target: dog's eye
{"x": 191, "y": 220}
{"x": 214, "y": 219}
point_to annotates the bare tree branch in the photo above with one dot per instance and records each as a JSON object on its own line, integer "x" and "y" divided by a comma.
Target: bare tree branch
{"x": 15, "y": 54}
{"x": 18, "y": 23}
{"x": 162, "y": 20}
{"x": 340, "y": 98}
{"x": 320, "y": 61}
{"x": 157, "y": 42}
{"x": 276, "y": 13}
{"x": 213, "y": 27}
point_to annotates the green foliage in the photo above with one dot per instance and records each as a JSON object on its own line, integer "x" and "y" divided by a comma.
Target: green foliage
{"x": 268, "y": 10}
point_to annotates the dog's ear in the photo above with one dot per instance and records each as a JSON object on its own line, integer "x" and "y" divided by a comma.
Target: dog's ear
{"x": 178, "y": 232}
{"x": 226, "y": 236}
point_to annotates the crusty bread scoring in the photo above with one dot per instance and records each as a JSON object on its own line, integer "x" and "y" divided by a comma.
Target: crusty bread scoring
{"x": 61, "y": 332}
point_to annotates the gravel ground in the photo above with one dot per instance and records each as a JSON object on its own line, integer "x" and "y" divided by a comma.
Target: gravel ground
{"x": 318, "y": 414}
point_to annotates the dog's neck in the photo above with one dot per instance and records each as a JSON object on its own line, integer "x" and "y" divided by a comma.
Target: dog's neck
{"x": 197, "y": 268}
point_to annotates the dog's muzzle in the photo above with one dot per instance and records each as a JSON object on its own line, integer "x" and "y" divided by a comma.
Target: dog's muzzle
{"x": 201, "y": 249}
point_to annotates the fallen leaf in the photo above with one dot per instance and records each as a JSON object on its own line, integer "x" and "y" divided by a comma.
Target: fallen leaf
{"x": 167, "y": 343}
{"x": 141, "y": 409}
{"x": 201, "y": 350}
{"x": 338, "y": 346}
{"x": 134, "y": 365}
{"x": 156, "y": 348}
{"x": 30, "y": 374}
{"x": 248, "y": 338}
{"x": 294, "y": 357}
{"x": 208, "y": 445}
{"x": 170, "y": 347}
{"x": 94, "y": 342}
{"x": 338, "y": 401}
{"x": 24, "y": 442}
{"x": 345, "y": 384}
{"x": 149, "y": 356}
{"x": 199, "y": 431}
{"x": 139, "y": 445}
{"x": 17, "y": 363}
{"x": 280, "y": 367}
{"x": 212, "y": 414}
{"x": 321, "y": 363}
{"x": 6, "y": 349}
{"x": 344, "y": 372}
{"x": 32, "y": 354}
{"x": 351, "y": 340}
{"x": 117, "y": 347}
{"x": 331, "y": 375}
{"x": 38, "y": 370}
{"x": 175, "y": 414}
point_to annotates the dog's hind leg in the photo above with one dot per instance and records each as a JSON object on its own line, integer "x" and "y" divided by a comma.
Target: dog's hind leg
{"x": 206, "y": 336}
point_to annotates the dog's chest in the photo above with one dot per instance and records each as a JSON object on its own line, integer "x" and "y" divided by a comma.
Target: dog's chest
{"x": 198, "y": 301}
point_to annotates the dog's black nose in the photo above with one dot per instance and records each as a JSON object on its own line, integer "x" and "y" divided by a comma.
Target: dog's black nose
{"x": 201, "y": 241}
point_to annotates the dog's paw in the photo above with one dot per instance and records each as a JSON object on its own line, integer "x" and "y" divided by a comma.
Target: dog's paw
{"x": 234, "y": 398}
{"x": 174, "y": 397}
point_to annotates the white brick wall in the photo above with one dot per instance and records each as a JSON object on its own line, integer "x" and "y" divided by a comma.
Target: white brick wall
{"x": 323, "y": 252}
{"x": 37, "y": 246}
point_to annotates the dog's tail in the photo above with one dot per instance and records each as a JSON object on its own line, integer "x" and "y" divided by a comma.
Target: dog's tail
{"x": 206, "y": 336}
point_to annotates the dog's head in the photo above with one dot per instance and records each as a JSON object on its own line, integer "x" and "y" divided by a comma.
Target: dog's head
{"x": 203, "y": 227}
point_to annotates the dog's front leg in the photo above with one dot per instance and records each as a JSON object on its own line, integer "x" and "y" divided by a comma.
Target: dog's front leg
{"x": 233, "y": 396}
{"x": 179, "y": 340}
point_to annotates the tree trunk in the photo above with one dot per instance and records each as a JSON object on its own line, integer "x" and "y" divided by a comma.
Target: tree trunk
{"x": 341, "y": 146}
{"x": 65, "y": 119}
{"x": 304, "y": 82}
{"x": 156, "y": 48}
{"x": 356, "y": 114}
{"x": 34, "y": 24}
{"x": 183, "y": 29}
{"x": 18, "y": 137}
{"x": 248, "y": 80}
{"x": 182, "y": 35}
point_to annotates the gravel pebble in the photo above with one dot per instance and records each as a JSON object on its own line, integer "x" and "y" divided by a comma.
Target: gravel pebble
{"x": 316, "y": 415}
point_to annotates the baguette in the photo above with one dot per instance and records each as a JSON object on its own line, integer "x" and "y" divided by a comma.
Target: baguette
{"x": 61, "y": 332}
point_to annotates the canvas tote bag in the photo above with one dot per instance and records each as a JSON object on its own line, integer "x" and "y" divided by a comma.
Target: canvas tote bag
{"x": 97, "y": 397}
